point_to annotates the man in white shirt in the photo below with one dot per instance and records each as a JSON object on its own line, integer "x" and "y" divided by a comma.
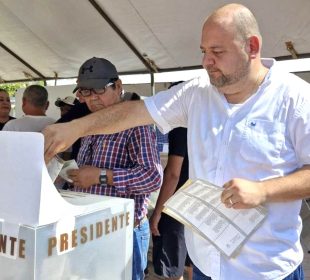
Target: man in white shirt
{"x": 34, "y": 104}
{"x": 248, "y": 131}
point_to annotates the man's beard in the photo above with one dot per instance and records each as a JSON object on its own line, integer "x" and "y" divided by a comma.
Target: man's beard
{"x": 228, "y": 79}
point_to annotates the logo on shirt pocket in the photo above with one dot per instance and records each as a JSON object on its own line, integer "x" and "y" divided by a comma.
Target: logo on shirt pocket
{"x": 263, "y": 141}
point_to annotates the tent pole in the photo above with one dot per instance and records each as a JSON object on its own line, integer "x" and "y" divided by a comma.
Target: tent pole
{"x": 152, "y": 84}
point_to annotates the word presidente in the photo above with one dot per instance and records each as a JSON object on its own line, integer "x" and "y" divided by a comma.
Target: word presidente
{"x": 84, "y": 234}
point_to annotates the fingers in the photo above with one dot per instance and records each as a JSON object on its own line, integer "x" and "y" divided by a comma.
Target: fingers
{"x": 229, "y": 202}
{"x": 154, "y": 229}
{"x": 226, "y": 194}
{"x": 241, "y": 194}
{"x": 54, "y": 140}
{"x": 72, "y": 172}
{"x": 154, "y": 220}
{"x": 155, "y": 232}
{"x": 228, "y": 197}
{"x": 73, "y": 176}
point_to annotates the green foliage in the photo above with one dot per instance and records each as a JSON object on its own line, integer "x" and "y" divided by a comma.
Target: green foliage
{"x": 12, "y": 88}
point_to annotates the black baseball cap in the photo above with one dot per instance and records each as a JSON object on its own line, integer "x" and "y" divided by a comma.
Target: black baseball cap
{"x": 95, "y": 73}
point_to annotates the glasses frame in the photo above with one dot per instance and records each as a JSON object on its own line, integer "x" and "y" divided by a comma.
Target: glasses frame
{"x": 85, "y": 92}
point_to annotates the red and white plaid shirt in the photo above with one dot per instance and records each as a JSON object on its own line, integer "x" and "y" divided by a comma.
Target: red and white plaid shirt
{"x": 133, "y": 156}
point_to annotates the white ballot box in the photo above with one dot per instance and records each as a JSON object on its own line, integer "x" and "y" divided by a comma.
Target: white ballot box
{"x": 47, "y": 235}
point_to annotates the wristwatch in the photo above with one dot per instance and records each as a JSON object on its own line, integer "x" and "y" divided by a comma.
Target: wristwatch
{"x": 103, "y": 176}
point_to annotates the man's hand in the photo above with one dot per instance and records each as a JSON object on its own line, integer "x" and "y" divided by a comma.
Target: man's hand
{"x": 154, "y": 220}
{"x": 243, "y": 194}
{"x": 85, "y": 176}
{"x": 58, "y": 138}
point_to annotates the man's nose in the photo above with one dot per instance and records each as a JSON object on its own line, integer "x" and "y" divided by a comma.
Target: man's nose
{"x": 93, "y": 96}
{"x": 207, "y": 60}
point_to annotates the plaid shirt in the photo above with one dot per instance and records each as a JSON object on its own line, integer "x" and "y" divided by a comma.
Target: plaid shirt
{"x": 133, "y": 156}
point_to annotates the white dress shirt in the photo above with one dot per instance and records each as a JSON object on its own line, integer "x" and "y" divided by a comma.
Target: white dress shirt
{"x": 267, "y": 136}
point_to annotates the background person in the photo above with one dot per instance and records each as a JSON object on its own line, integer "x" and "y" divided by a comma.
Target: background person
{"x": 65, "y": 104}
{"x": 169, "y": 249}
{"x": 34, "y": 105}
{"x": 5, "y": 108}
{"x": 79, "y": 110}
{"x": 248, "y": 131}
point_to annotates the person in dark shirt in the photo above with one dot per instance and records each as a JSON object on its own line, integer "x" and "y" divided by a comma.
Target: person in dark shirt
{"x": 169, "y": 249}
{"x": 79, "y": 110}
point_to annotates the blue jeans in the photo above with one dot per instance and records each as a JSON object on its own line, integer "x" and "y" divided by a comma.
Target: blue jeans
{"x": 141, "y": 239}
{"x": 298, "y": 274}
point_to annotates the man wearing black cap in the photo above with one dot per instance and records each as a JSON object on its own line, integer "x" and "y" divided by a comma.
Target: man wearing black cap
{"x": 124, "y": 164}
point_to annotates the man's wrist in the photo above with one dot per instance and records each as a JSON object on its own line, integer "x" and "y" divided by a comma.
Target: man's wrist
{"x": 158, "y": 210}
{"x": 264, "y": 192}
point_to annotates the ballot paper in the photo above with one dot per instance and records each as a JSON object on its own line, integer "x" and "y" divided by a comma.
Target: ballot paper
{"x": 58, "y": 166}
{"x": 198, "y": 205}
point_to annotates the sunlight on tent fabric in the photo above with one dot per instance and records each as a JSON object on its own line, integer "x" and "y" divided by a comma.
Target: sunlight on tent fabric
{"x": 296, "y": 65}
{"x": 163, "y": 77}
{"x": 293, "y": 65}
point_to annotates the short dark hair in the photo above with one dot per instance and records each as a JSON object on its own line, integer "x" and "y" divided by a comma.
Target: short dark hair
{"x": 130, "y": 96}
{"x": 37, "y": 95}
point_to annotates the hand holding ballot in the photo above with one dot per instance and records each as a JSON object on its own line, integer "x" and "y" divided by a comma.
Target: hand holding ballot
{"x": 243, "y": 194}
{"x": 58, "y": 166}
{"x": 85, "y": 176}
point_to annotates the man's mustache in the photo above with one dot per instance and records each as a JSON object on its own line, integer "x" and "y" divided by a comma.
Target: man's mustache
{"x": 211, "y": 69}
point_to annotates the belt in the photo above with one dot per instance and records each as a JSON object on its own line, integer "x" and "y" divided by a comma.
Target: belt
{"x": 140, "y": 222}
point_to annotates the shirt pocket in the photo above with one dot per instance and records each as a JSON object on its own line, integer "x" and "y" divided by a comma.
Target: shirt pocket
{"x": 263, "y": 141}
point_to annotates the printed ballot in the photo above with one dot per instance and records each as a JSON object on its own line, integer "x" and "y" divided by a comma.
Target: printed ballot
{"x": 58, "y": 166}
{"x": 197, "y": 205}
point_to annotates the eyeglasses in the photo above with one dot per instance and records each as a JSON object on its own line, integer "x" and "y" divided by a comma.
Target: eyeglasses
{"x": 88, "y": 91}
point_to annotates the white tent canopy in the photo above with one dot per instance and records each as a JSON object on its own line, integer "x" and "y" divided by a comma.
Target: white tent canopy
{"x": 44, "y": 39}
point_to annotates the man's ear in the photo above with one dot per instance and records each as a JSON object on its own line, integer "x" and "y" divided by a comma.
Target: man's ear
{"x": 47, "y": 104}
{"x": 119, "y": 85}
{"x": 253, "y": 46}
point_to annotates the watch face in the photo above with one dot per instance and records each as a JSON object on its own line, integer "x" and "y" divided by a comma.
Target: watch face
{"x": 103, "y": 177}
